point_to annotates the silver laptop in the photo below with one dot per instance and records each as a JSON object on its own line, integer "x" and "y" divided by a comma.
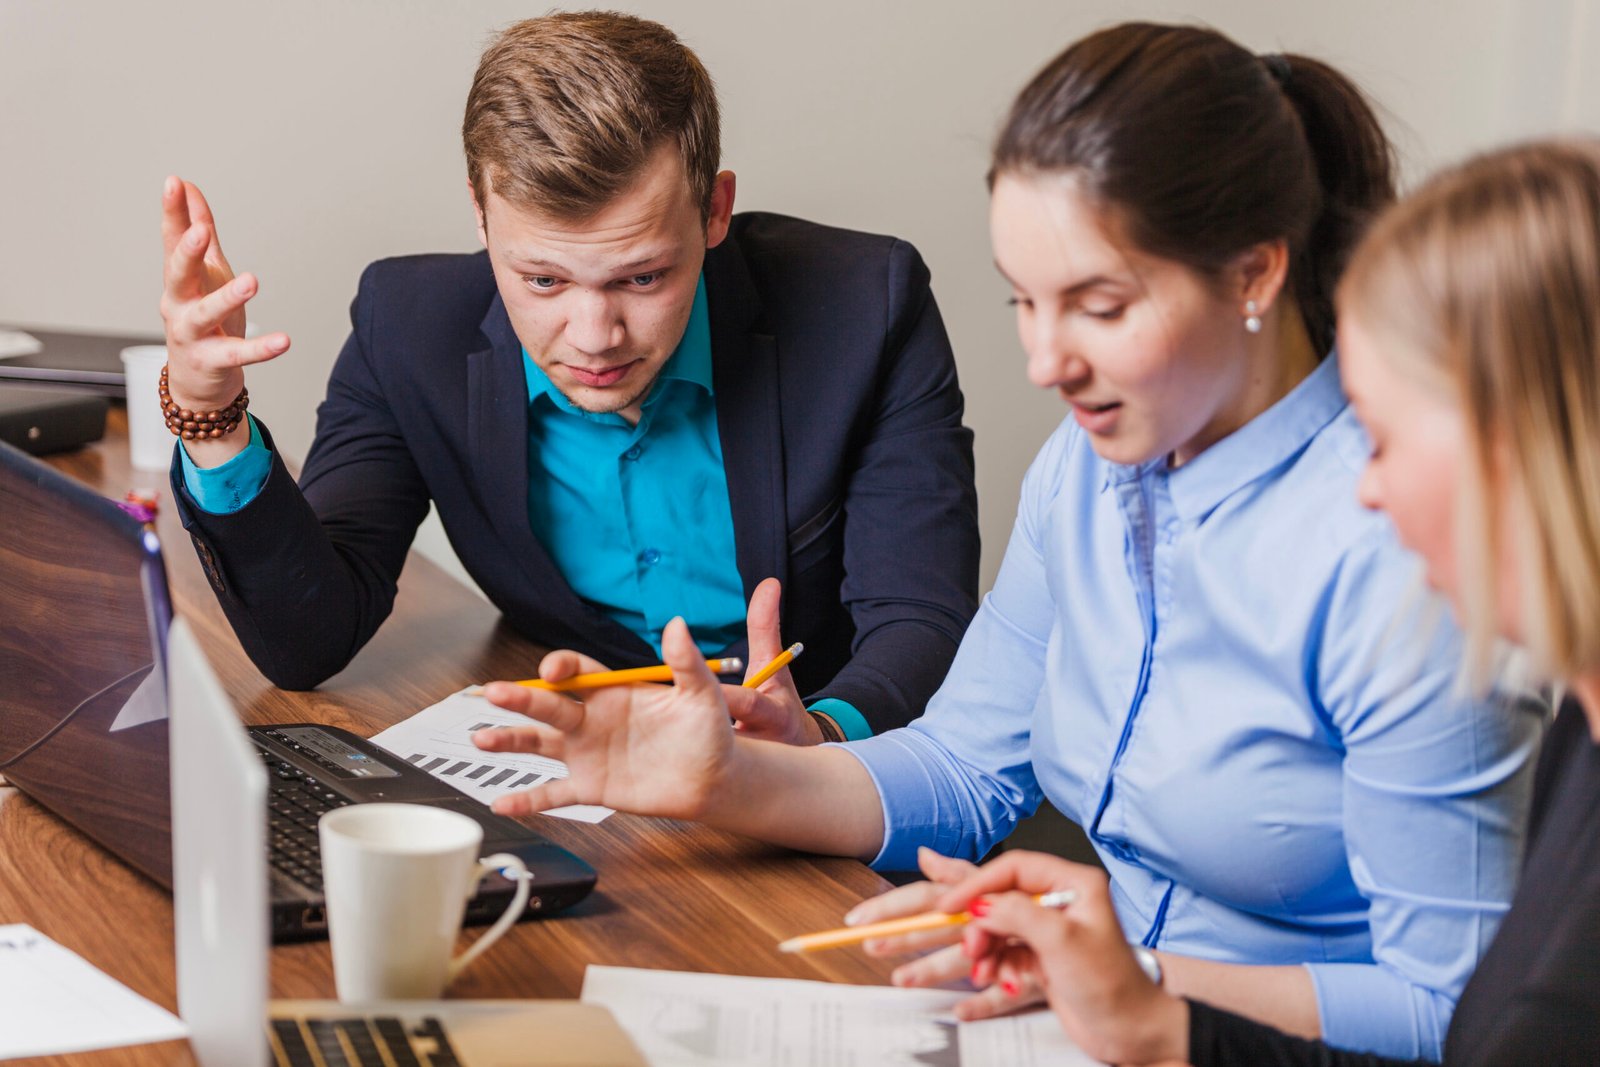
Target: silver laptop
{"x": 219, "y": 854}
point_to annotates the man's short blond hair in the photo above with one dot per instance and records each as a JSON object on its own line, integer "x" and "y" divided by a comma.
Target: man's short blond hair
{"x": 567, "y": 109}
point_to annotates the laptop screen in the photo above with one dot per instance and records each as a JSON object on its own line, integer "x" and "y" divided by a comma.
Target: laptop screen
{"x": 84, "y": 613}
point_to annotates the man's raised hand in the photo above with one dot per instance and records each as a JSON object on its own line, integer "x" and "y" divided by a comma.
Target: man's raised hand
{"x": 202, "y": 304}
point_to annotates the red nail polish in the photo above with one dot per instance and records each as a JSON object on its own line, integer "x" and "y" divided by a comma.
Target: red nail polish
{"x": 1009, "y": 988}
{"x": 978, "y": 908}
{"x": 974, "y": 975}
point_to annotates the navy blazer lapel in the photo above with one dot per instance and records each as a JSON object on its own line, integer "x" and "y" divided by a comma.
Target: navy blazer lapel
{"x": 497, "y": 407}
{"x": 497, "y": 415}
{"x": 744, "y": 367}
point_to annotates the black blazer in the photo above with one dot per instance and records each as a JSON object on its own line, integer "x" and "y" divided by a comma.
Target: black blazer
{"x": 849, "y": 472}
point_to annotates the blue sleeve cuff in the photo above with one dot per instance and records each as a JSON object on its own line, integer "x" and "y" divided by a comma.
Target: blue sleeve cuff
{"x": 851, "y": 721}
{"x": 1369, "y": 1008}
{"x": 228, "y": 488}
{"x": 921, "y": 802}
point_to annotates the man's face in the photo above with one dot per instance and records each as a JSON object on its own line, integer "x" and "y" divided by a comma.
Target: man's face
{"x": 601, "y": 303}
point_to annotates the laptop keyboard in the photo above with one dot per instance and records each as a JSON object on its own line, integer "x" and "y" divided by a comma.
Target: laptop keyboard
{"x": 295, "y": 801}
{"x": 379, "y": 1041}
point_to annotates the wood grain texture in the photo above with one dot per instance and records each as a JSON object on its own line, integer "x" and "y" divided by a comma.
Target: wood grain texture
{"x": 671, "y": 895}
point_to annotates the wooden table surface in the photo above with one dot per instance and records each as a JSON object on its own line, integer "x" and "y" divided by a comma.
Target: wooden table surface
{"x": 671, "y": 895}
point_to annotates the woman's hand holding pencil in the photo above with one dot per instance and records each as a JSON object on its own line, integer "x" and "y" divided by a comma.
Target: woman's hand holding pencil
{"x": 1077, "y": 956}
{"x": 911, "y": 924}
{"x": 937, "y": 956}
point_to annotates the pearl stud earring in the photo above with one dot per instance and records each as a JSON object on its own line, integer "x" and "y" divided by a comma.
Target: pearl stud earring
{"x": 1252, "y": 321}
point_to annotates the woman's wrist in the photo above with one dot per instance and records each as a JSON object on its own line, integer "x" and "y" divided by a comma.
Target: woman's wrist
{"x": 1167, "y": 1036}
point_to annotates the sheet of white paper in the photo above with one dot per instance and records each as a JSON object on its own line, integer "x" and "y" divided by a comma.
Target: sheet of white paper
{"x": 439, "y": 740}
{"x": 17, "y": 343}
{"x": 1032, "y": 1039}
{"x": 53, "y": 1001}
{"x": 147, "y": 703}
{"x": 712, "y": 1020}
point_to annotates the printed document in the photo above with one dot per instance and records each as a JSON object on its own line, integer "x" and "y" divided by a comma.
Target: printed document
{"x": 53, "y": 1001}
{"x": 713, "y": 1020}
{"x": 439, "y": 740}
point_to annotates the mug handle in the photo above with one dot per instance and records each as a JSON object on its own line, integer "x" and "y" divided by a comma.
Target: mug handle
{"x": 519, "y": 872}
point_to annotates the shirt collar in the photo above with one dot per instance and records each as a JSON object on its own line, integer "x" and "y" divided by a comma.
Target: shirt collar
{"x": 1251, "y": 451}
{"x": 690, "y": 362}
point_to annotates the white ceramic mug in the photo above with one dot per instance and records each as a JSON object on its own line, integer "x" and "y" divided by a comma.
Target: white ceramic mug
{"x": 149, "y": 440}
{"x": 397, "y": 878}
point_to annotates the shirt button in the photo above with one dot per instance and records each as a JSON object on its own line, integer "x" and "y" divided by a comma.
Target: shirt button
{"x": 650, "y": 557}
{"x": 1122, "y": 850}
{"x": 632, "y": 453}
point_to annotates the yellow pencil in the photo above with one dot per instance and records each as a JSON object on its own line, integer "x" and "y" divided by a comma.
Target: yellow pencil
{"x": 911, "y": 924}
{"x": 779, "y": 662}
{"x": 633, "y": 675}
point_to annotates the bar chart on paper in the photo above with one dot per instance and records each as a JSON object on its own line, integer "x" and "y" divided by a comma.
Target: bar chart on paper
{"x": 438, "y": 739}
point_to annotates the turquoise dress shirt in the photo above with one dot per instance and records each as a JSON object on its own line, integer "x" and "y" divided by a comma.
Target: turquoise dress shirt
{"x": 1231, "y": 676}
{"x": 636, "y": 517}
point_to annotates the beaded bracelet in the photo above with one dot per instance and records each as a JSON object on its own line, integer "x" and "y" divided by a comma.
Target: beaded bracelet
{"x": 194, "y": 425}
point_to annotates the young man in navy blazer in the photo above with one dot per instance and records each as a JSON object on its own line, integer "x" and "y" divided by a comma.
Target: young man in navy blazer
{"x": 632, "y": 405}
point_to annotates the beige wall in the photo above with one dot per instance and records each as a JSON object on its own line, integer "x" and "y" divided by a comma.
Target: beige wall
{"x": 325, "y": 134}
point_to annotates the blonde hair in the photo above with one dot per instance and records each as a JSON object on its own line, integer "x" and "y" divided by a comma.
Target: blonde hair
{"x": 1487, "y": 281}
{"x": 566, "y": 109}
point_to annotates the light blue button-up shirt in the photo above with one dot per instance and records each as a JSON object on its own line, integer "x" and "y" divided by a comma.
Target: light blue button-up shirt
{"x": 637, "y": 517}
{"x": 1231, "y": 675}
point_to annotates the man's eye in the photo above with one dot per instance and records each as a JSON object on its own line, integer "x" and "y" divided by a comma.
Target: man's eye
{"x": 541, "y": 281}
{"x": 645, "y": 281}
{"x": 1105, "y": 314}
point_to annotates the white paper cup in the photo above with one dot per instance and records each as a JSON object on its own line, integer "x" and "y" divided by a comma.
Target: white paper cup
{"x": 149, "y": 440}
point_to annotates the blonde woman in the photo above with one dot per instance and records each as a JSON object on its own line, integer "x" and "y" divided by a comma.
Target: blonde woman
{"x": 1470, "y": 344}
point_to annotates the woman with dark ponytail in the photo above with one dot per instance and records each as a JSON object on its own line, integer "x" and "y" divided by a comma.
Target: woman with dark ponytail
{"x": 1199, "y": 646}
{"x": 1471, "y": 348}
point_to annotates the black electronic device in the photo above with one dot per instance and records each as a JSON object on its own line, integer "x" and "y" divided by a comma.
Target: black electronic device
{"x": 84, "y": 614}
{"x": 89, "y": 362}
{"x": 42, "y": 420}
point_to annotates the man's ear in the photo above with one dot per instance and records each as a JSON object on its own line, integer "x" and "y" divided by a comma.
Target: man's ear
{"x": 721, "y": 213}
{"x": 477, "y": 211}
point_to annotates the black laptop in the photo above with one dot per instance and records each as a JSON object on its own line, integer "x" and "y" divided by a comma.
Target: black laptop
{"x": 84, "y": 612}
{"x": 88, "y": 362}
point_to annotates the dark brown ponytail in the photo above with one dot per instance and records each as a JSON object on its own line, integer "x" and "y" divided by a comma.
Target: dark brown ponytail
{"x": 1199, "y": 149}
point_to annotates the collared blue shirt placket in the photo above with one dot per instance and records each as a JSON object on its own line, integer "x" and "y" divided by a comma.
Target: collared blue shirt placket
{"x": 1139, "y": 493}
